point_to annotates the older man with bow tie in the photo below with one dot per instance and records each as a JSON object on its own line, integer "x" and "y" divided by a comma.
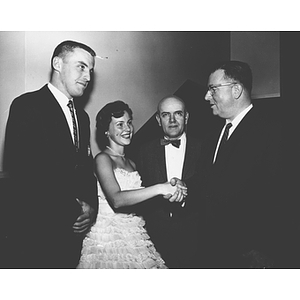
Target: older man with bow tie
{"x": 172, "y": 226}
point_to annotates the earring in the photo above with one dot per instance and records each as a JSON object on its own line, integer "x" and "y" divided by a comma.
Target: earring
{"x": 106, "y": 133}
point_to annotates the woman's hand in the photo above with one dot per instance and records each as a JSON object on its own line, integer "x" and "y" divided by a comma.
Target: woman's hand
{"x": 180, "y": 184}
{"x": 178, "y": 191}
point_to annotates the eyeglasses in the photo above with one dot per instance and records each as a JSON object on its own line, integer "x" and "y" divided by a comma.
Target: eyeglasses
{"x": 213, "y": 88}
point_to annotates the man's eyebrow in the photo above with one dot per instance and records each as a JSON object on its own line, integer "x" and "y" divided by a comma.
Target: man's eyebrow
{"x": 176, "y": 111}
{"x": 83, "y": 63}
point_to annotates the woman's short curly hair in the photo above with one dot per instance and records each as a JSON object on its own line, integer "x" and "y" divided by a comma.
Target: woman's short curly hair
{"x": 114, "y": 109}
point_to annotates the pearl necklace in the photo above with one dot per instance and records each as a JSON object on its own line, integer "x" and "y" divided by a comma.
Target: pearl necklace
{"x": 116, "y": 153}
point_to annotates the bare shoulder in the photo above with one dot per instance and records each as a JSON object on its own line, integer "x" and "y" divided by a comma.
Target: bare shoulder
{"x": 102, "y": 158}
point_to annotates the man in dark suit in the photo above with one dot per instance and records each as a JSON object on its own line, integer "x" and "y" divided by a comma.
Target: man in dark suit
{"x": 48, "y": 156}
{"x": 240, "y": 181}
{"x": 172, "y": 226}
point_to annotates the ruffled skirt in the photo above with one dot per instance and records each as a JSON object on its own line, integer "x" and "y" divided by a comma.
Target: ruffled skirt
{"x": 119, "y": 241}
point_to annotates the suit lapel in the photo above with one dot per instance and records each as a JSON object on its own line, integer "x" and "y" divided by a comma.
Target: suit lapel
{"x": 56, "y": 118}
{"x": 191, "y": 156}
{"x": 240, "y": 132}
{"x": 161, "y": 161}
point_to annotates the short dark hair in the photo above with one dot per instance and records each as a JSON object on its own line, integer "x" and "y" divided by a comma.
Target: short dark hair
{"x": 65, "y": 47}
{"x": 236, "y": 70}
{"x": 114, "y": 109}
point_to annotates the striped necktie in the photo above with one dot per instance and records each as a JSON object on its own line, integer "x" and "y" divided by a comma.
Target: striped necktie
{"x": 75, "y": 131}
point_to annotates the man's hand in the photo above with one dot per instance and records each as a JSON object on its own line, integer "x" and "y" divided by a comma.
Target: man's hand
{"x": 180, "y": 193}
{"x": 86, "y": 219}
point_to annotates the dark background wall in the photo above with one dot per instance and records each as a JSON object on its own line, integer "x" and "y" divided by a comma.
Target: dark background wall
{"x": 262, "y": 51}
{"x": 141, "y": 68}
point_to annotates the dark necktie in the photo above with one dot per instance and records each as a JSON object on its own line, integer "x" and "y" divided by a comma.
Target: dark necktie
{"x": 175, "y": 143}
{"x": 223, "y": 139}
{"x": 75, "y": 131}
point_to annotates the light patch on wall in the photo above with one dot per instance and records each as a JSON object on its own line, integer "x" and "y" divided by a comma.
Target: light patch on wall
{"x": 260, "y": 50}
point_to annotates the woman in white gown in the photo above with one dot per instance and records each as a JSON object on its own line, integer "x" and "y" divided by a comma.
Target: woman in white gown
{"x": 119, "y": 240}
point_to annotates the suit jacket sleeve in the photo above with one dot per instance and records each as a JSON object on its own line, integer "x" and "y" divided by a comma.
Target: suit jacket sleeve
{"x": 40, "y": 157}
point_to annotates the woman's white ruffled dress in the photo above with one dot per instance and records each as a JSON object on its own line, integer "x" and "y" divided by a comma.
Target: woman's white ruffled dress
{"x": 119, "y": 240}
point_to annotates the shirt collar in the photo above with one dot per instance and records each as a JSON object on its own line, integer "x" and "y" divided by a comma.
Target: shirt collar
{"x": 60, "y": 97}
{"x": 240, "y": 116}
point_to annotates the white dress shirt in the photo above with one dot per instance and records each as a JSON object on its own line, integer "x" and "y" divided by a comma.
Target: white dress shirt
{"x": 235, "y": 122}
{"x": 175, "y": 158}
{"x": 63, "y": 102}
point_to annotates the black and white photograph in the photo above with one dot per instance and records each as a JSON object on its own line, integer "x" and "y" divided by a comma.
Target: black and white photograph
{"x": 131, "y": 147}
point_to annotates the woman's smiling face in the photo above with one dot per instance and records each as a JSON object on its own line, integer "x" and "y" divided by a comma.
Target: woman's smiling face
{"x": 121, "y": 129}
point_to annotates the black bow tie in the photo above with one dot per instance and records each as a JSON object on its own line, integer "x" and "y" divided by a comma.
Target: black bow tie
{"x": 175, "y": 143}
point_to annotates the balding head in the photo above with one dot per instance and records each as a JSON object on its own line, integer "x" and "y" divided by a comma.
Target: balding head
{"x": 172, "y": 116}
{"x": 170, "y": 99}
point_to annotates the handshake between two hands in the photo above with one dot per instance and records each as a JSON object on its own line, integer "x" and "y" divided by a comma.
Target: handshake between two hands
{"x": 180, "y": 193}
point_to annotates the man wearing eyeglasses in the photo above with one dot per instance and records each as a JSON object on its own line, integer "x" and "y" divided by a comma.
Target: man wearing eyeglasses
{"x": 242, "y": 171}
